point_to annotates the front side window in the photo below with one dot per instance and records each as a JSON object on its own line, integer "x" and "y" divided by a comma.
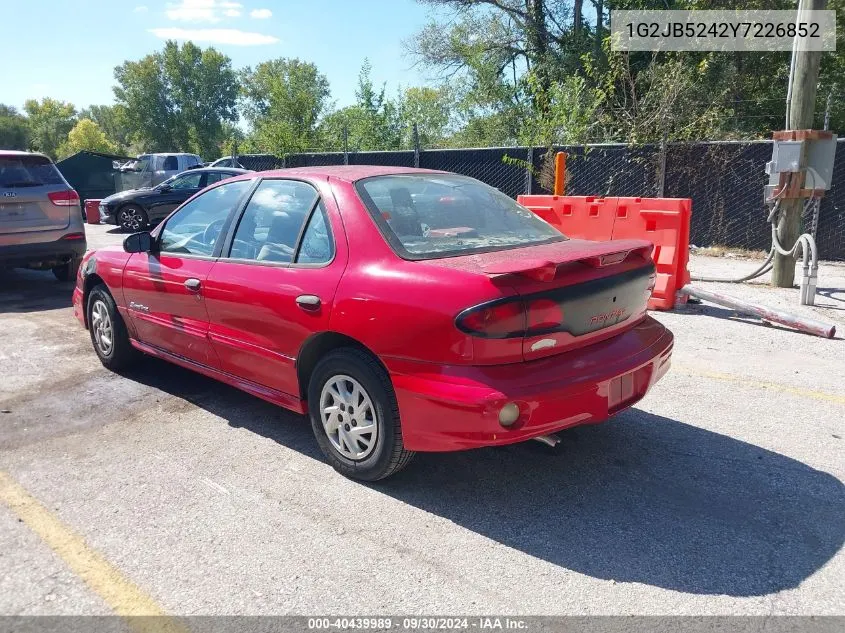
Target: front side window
{"x": 144, "y": 163}
{"x": 195, "y": 228}
{"x": 271, "y": 223}
{"x": 443, "y": 215}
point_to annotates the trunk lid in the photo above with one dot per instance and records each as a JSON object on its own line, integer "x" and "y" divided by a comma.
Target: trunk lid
{"x": 572, "y": 293}
{"x": 26, "y": 181}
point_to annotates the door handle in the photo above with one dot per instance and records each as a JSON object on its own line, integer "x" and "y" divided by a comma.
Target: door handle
{"x": 193, "y": 285}
{"x": 308, "y": 302}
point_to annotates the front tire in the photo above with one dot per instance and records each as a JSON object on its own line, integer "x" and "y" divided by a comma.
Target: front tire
{"x": 67, "y": 272}
{"x": 108, "y": 331}
{"x": 355, "y": 416}
{"x": 132, "y": 218}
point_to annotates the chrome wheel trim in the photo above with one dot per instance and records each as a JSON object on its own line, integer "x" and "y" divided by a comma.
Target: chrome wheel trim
{"x": 101, "y": 326}
{"x": 348, "y": 417}
{"x": 131, "y": 219}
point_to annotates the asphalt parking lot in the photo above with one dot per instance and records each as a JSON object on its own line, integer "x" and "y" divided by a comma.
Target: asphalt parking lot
{"x": 720, "y": 493}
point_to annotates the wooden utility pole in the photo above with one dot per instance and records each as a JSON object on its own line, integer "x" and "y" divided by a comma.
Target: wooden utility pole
{"x": 802, "y": 107}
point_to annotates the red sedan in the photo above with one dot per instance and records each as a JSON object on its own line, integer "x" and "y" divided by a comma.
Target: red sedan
{"x": 403, "y": 310}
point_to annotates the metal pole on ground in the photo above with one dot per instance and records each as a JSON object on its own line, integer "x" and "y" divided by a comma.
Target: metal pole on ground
{"x": 810, "y": 326}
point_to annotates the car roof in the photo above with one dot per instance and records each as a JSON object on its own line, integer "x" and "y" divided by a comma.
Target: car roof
{"x": 15, "y": 152}
{"x": 226, "y": 170}
{"x": 349, "y": 173}
{"x": 167, "y": 154}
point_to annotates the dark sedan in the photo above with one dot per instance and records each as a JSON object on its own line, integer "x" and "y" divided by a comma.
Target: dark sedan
{"x": 135, "y": 209}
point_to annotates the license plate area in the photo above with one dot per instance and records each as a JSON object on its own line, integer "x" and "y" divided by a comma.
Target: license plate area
{"x": 625, "y": 390}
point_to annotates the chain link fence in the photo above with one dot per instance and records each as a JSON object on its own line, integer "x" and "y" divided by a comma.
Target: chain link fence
{"x": 724, "y": 179}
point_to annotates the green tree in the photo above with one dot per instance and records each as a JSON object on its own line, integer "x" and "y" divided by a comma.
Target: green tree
{"x": 49, "y": 122}
{"x": 373, "y": 123}
{"x": 283, "y": 102}
{"x": 86, "y": 135}
{"x": 179, "y": 98}
{"x": 511, "y": 61}
{"x": 14, "y": 131}
{"x": 431, "y": 109}
{"x": 112, "y": 120}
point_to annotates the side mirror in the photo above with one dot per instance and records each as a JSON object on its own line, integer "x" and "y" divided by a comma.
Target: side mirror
{"x": 138, "y": 243}
{"x": 165, "y": 188}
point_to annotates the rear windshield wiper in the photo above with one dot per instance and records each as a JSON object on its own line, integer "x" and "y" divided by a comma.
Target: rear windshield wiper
{"x": 20, "y": 184}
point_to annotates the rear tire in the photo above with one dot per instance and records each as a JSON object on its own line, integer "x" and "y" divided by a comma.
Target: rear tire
{"x": 67, "y": 272}
{"x": 108, "y": 331}
{"x": 132, "y": 218}
{"x": 345, "y": 380}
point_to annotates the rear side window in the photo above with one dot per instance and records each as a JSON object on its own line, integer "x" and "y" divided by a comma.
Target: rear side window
{"x": 171, "y": 163}
{"x": 443, "y": 215}
{"x": 28, "y": 171}
{"x": 271, "y": 224}
{"x": 216, "y": 176}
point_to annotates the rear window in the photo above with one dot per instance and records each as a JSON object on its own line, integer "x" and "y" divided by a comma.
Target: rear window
{"x": 28, "y": 171}
{"x": 431, "y": 216}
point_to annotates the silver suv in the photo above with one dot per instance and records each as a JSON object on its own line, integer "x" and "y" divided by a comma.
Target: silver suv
{"x": 40, "y": 216}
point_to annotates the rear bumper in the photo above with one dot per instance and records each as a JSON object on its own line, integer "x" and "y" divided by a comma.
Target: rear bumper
{"x": 445, "y": 408}
{"x": 56, "y": 251}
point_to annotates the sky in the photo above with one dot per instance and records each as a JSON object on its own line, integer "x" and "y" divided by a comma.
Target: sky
{"x": 67, "y": 49}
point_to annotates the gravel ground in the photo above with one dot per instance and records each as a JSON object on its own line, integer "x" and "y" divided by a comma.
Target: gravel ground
{"x": 720, "y": 493}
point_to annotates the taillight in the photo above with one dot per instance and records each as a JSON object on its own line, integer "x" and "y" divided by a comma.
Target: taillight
{"x": 510, "y": 318}
{"x": 544, "y": 315}
{"x": 64, "y": 198}
{"x": 496, "y": 320}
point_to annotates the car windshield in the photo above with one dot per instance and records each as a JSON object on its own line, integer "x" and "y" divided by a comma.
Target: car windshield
{"x": 28, "y": 171}
{"x": 442, "y": 215}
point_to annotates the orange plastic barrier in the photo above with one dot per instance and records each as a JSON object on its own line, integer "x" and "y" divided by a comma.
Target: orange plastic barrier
{"x": 580, "y": 217}
{"x": 665, "y": 222}
{"x": 92, "y": 211}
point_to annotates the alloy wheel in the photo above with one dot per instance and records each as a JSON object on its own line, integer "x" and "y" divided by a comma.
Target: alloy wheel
{"x": 101, "y": 325}
{"x": 348, "y": 417}
{"x": 131, "y": 219}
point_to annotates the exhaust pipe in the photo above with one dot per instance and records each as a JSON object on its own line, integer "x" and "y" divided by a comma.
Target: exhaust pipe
{"x": 551, "y": 439}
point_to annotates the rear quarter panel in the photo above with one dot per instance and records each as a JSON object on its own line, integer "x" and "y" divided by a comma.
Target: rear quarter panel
{"x": 405, "y": 309}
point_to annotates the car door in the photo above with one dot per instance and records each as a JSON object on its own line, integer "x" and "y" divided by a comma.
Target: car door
{"x": 163, "y": 289}
{"x": 167, "y": 196}
{"x": 275, "y": 284}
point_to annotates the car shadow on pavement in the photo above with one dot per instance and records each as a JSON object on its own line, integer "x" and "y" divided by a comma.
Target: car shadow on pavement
{"x": 642, "y": 498}
{"x": 33, "y": 291}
